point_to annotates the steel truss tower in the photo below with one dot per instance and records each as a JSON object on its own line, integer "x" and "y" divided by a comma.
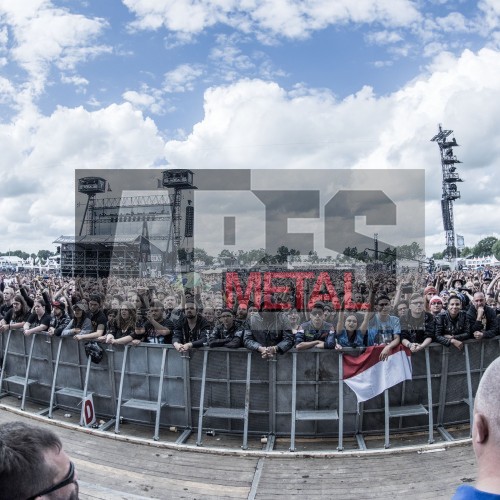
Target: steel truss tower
{"x": 450, "y": 192}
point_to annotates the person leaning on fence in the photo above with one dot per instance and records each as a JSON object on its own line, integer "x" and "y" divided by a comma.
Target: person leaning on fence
{"x": 417, "y": 325}
{"x": 228, "y": 333}
{"x": 486, "y": 438}
{"x": 316, "y": 332}
{"x": 483, "y": 318}
{"x": 33, "y": 465}
{"x": 96, "y": 315}
{"x": 157, "y": 328}
{"x": 269, "y": 333}
{"x": 348, "y": 332}
{"x": 192, "y": 330}
{"x": 124, "y": 328}
{"x": 384, "y": 328}
{"x": 80, "y": 326}
{"x": 17, "y": 316}
{"x": 453, "y": 327}
{"x": 39, "y": 321}
{"x": 59, "y": 319}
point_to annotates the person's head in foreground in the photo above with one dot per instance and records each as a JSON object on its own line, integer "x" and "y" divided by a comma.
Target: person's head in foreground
{"x": 486, "y": 437}
{"x": 33, "y": 465}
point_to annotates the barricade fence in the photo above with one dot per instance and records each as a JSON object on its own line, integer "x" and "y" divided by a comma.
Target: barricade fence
{"x": 226, "y": 390}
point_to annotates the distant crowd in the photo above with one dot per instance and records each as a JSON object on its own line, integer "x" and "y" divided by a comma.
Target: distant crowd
{"x": 192, "y": 311}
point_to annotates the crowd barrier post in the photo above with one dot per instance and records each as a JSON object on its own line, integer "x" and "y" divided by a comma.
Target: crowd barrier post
{"x": 429, "y": 395}
{"x": 445, "y": 357}
{"x": 225, "y": 412}
{"x": 271, "y": 436}
{"x": 67, "y": 391}
{"x": 330, "y": 414}
{"x": 24, "y": 381}
{"x": 4, "y": 363}
{"x": 187, "y": 400}
{"x": 340, "y": 446}
{"x": 407, "y": 410}
{"x": 470, "y": 399}
{"x": 112, "y": 384}
{"x": 142, "y": 404}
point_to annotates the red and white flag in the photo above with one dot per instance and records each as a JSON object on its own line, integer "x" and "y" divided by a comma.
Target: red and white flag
{"x": 368, "y": 377}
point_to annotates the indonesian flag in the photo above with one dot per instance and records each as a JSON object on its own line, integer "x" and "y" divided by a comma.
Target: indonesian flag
{"x": 368, "y": 377}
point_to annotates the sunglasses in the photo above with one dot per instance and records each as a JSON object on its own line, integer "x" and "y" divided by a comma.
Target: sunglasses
{"x": 67, "y": 480}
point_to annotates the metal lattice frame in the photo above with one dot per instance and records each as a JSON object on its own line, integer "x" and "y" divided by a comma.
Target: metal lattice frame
{"x": 450, "y": 192}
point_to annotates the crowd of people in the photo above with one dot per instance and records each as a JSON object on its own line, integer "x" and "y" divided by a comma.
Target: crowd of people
{"x": 414, "y": 309}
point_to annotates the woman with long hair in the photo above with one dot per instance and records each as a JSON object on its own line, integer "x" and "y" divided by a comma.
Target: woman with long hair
{"x": 80, "y": 324}
{"x": 17, "y": 316}
{"x": 125, "y": 323}
{"x": 348, "y": 333}
{"x": 39, "y": 320}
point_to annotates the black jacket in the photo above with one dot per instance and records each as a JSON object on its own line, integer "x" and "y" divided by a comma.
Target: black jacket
{"x": 417, "y": 330}
{"x": 274, "y": 331}
{"x": 231, "y": 338}
{"x": 198, "y": 336}
{"x": 460, "y": 327}
{"x": 489, "y": 328}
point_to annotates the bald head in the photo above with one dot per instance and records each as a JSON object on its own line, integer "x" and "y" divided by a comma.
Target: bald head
{"x": 487, "y": 400}
{"x": 486, "y": 430}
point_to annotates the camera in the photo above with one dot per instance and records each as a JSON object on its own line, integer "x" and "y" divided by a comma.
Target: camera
{"x": 407, "y": 288}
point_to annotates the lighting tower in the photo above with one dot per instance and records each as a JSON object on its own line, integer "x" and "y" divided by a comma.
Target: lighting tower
{"x": 450, "y": 192}
{"x": 179, "y": 180}
{"x": 90, "y": 186}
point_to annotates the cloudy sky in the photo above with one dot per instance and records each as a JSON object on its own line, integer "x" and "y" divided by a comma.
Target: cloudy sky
{"x": 302, "y": 84}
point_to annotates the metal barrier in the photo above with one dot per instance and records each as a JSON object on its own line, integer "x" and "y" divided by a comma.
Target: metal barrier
{"x": 295, "y": 394}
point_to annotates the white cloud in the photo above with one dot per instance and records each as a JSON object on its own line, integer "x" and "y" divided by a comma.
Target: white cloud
{"x": 182, "y": 78}
{"x": 44, "y": 35}
{"x": 149, "y": 99}
{"x": 288, "y": 18}
{"x": 39, "y": 157}
{"x": 76, "y": 80}
{"x": 255, "y": 124}
{"x": 383, "y": 37}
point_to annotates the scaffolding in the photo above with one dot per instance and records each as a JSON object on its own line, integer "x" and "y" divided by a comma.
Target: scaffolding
{"x": 450, "y": 191}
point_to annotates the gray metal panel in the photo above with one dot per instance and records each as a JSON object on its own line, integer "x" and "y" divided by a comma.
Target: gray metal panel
{"x": 317, "y": 415}
{"x": 317, "y": 385}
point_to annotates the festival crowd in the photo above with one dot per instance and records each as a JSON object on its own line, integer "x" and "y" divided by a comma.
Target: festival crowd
{"x": 415, "y": 309}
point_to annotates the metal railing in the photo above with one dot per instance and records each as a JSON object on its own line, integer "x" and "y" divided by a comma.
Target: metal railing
{"x": 296, "y": 394}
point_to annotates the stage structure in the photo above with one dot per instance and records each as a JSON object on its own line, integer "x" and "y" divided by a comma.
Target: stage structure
{"x": 129, "y": 236}
{"x": 179, "y": 181}
{"x": 450, "y": 191}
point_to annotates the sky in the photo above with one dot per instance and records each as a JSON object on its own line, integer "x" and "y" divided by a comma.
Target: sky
{"x": 248, "y": 84}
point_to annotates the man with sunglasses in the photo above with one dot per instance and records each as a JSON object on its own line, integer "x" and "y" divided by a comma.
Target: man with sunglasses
{"x": 316, "y": 332}
{"x": 228, "y": 333}
{"x": 384, "y": 328}
{"x": 33, "y": 465}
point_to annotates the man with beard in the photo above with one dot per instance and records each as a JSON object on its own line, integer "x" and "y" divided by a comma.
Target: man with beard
{"x": 59, "y": 320}
{"x": 191, "y": 331}
{"x": 269, "y": 333}
{"x": 34, "y": 465}
{"x": 228, "y": 333}
{"x": 157, "y": 329}
{"x": 483, "y": 318}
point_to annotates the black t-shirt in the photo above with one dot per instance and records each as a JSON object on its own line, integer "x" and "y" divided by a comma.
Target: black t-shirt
{"x": 10, "y": 317}
{"x": 150, "y": 336}
{"x": 4, "y": 309}
{"x": 98, "y": 318}
{"x": 34, "y": 321}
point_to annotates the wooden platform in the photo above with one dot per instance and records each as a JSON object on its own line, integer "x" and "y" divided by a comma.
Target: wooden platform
{"x": 112, "y": 469}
